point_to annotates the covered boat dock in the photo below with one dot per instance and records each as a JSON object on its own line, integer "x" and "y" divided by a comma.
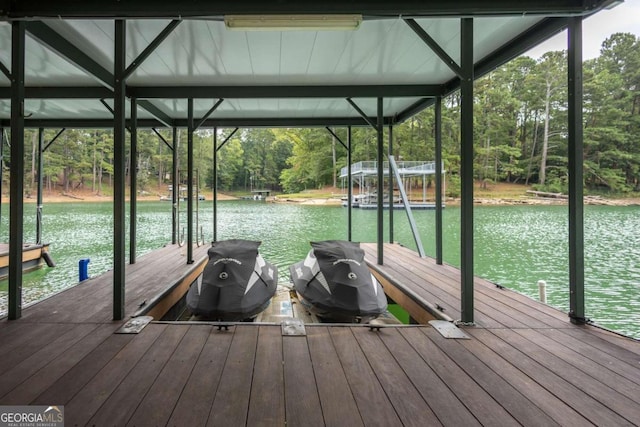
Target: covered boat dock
{"x": 125, "y": 65}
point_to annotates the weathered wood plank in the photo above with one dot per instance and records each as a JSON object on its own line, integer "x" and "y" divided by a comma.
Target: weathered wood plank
{"x": 123, "y": 401}
{"x": 573, "y": 387}
{"x": 194, "y": 404}
{"x": 373, "y": 404}
{"x": 338, "y": 405}
{"x": 28, "y": 340}
{"x": 50, "y": 374}
{"x": 301, "y": 399}
{"x": 231, "y": 402}
{"x": 49, "y": 350}
{"x": 266, "y": 403}
{"x": 491, "y": 351}
{"x": 443, "y": 402}
{"x": 404, "y": 397}
{"x": 158, "y": 403}
{"x": 484, "y": 408}
{"x": 70, "y": 384}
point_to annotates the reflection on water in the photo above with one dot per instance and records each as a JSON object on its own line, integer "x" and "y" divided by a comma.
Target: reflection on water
{"x": 514, "y": 245}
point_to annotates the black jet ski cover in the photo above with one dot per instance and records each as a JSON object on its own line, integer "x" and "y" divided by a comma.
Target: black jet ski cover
{"x": 236, "y": 284}
{"x": 336, "y": 282}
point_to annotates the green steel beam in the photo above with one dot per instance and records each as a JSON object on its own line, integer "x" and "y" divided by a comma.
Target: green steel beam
{"x": 182, "y": 123}
{"x": 16, "y": 207}
{"x": 133, "y": 183}
{"x": 152, "y": 46}
{"x": 438, "y": 150}
{"x": 466, "y": 171}
{"x": 46, "y": 147}
{"x": 216, "y": 9}
{"x": 350, "y": 187}
{"x": 231, "y": 92}
{"x": 336, "y": 136}
{"x": 576, "y": 151}
{"x": 119, "y": 251}
{"x": 48, "y": 37}
{"x": 162, "y": 138}
{"x": 366, "y": 118}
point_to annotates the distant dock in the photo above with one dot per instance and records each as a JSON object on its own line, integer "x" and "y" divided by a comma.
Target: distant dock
{"x": 33, "y": 257}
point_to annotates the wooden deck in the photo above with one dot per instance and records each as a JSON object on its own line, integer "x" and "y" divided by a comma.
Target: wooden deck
{"x": 525, "y": 365}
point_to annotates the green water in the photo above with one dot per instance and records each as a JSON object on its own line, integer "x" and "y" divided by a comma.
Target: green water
{"x": 515, "y": 246}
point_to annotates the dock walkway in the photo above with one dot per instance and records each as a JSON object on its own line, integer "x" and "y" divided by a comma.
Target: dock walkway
{"x": 535, "y": 369}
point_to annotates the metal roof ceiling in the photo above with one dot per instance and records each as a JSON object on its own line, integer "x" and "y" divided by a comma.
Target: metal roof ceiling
{"x": 265, "y": 77}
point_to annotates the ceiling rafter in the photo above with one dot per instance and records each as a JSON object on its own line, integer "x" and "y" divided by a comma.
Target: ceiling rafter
{"x": 434, "y": 46}
{"x": 151, "y": 48}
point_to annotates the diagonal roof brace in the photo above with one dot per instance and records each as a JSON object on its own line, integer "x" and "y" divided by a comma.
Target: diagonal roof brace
{"x": 152, "y": 46}
{"x": 207, "y": 114}
{"x": 156, "y": 112}
{"x": 5, "y": 71}
{"x": 336, "y": 137}
{"x": 48, "y": 37}
{"x": 435, "y": 47}
{"x": 362, "y": 113}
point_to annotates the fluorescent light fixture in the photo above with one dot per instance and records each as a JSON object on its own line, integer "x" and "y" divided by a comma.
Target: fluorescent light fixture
{"x": 292, "y": 22}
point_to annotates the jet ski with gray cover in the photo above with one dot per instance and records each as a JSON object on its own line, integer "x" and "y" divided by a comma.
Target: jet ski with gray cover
{"x": 334, "y": 283}
{"x": 235, "y": 285}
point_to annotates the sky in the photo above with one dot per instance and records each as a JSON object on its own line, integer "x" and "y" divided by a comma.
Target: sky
{"x": 624, "y": 18}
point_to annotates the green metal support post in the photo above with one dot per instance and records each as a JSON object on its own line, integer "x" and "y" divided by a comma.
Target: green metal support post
{"x": 390, "y": 151}
{"x": 16, "y": 208}
{"x": 380, "y": 187}
{"x": 215, "y": 184}
{"x": 174, "y": 187}
{"x": 39, "y": 184}
{"x": 466, "y": 172}
{"x": 349, "y": 188}
{"x": 190, "y": 126}
{"x": 576, "y": 149}
{"x": 438, "y": 135}
{"x": 118, "y": 170}
{"x": 133, "y": 185}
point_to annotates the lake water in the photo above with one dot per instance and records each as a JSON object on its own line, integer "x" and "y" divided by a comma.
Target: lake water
{"x": 515, "y": 246}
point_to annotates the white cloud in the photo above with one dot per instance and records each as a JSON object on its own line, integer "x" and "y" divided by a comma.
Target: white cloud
{"x": 624, "y": 18}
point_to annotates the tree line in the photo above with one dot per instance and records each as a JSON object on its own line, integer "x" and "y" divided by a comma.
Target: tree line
{"x": 520, "y": 136}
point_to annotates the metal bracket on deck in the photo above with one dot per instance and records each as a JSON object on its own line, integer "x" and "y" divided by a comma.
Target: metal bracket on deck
{"x": 448, "y": 329}
{"x": 135, "y": 325}
{"x": 293, "y": 327}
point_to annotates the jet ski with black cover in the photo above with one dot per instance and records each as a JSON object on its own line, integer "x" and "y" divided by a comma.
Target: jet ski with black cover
{"x": 235, "y": 285}
{"x": 335, "y": 284}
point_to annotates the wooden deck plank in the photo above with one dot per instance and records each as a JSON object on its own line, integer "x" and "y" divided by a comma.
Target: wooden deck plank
{"x": 231, "y": 402}
{"x": 86, "y": 387}
{"x": 195, "y": 401}
{"x": 65, "y": 388}
{"x": 595, "y": 344}
{"x": 587, "y": 396}
{"x": 491, "y": 354}
{"x": 620, "y": 377}
{"x": 45, "y": 354}
{"x": 503, "y": 392}
{"x": 302, "y": 400}
{"x": 157, "y": 405}
{"x": 442, "y": 401}
{"x": 53, "y": 372}
{"x": 122, "y": 403}
{"x": 338, "y": 405}
{"x": 267, "y": 402}
{"x": 373, "y": 404}
{"x": 484, "y": 408}
{"x": 27, "y": 340}
{"x": 404, "y": 397}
